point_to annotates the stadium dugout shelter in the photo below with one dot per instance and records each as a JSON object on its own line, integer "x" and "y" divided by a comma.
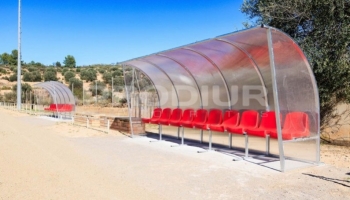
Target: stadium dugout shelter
{"x": 62, "y": 98}
{"x": 256, "y": 83}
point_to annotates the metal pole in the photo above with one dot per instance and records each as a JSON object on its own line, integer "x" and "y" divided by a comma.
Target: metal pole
{"x": 96, "y": 91}
{"x": 73, "y": 89}
{"x": 129, "y": 109}
{"x": 83, "y": 94}
{"x": 19, "y": 92}
{"x": 112, "y": 91}
{"x": 275, "y": 96}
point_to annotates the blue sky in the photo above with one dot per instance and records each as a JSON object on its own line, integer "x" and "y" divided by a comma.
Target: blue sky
{"x": 110, "y": 31}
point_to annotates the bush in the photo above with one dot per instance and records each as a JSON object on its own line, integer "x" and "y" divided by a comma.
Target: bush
{"x": 123, "y": 100}
{"x": 107, "y": 77}
{"x": 77, "y": 87}
{"x": 13, "y": 78}
{"x": 3, "y": 71}
{"x": 102, "y": 71}
{"x": 27, "y": 77}
{"x": 50, "y": 75}
{"x": 32, "y": 76}
{"x": 32, "y": 69}
{"x": 100, "y": 87}
{"x": 68, "y": 75}
{"x": 117, "y": 73}
{"x": 88, "y": 74}
{"x": 64, "y": 70}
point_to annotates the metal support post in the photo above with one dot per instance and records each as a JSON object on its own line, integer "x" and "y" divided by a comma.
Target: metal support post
{"x": 178, "y": 132}
{"x": 230, "y": 140}
{"x": 267, "y": 144}
{"x": 246, "y": 145}
{"x": 210, "y": 138}
{"x": 160, "y": 132}
{"x": 201, "y": 136}
{"x": 107, "y": 126}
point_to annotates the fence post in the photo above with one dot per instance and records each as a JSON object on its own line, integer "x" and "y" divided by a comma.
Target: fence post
{"x": 107, "y": 126}
{"x": 87, "y": 122}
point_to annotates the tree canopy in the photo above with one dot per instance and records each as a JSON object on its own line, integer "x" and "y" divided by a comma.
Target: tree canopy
{"x": 322, "y": 29}
{"x": 69, "y": 61}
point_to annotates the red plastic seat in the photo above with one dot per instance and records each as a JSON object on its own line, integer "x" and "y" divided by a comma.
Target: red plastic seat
{"x": 214, "y": 118}
{"x": 200, "y": 119}
{"x": 267, "y": 125}
{"x": 231, "y": 117}
{"x": 156, "y": 114}
{"x": 249, "y": 119}
{"x": 187, "y": 118}
{"x": 175, "y": 116}
{"x": 296, "y": 125}
{"x": 164, "y": 116}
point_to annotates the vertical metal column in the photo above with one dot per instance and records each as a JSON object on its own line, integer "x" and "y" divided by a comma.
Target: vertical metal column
{"x": 128, "y": 102}
{"x": 275, "y": 96}
{"x": 19, "y": 58}
{"x": 112, "y": 91}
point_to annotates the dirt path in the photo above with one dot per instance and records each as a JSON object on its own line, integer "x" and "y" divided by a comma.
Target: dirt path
{"x": 43, "y": 159}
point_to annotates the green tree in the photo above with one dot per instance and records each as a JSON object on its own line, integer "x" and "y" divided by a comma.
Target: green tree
{"x": 69, "y": 61}
{"x": 322, "y": 29}
{"x": 14, "y": 56}
{"x": 6, "y": 59}
{"x": 58, "y": 64}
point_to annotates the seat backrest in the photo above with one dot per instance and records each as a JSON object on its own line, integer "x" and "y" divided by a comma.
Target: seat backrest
{"x": 296, "y": 122}
{"x": 201, "y": 116}
{"x": 231, "y": 117}
{"x": 268, "y": 120}
{"x": 215, "y": 116}
{"x": 156, "y": 113}
{"x": 176, "y": 114}
{"x": 165, "y": 113}
{"x": 188, "y": 115}
{"x": 250, "y": 119}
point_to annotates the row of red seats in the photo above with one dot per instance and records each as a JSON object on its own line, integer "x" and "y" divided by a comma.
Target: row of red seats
{"x": 60, "y": 108}
{"x": 249, "y": 122}
{"x": 296, "y": 124}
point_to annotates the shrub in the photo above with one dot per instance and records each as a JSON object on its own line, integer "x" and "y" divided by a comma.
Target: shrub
{"x": 50, "y": 75}
{"x": 13, "y": 78}
{"x": 107, "y": 77}
{"x": 88, "y": 74}
{"x": 100, "y": 87}
{"x": 101, "y": 71}
{"x": 68, "y": 75}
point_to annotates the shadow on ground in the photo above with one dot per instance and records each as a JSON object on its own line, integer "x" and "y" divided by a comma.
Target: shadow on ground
{"x": 344, "y": 183}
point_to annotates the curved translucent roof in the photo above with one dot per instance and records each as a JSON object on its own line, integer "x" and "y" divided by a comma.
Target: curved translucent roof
{"x": 260, "y": 68}
{"x": 59, "y": 93}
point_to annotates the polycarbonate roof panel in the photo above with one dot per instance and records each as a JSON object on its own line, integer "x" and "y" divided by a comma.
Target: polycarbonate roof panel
{"x": 162, "y": 83}
{"x": 182, "y": 80}
{"x": 60, "y": 93}
{"x": 231, "y": 71}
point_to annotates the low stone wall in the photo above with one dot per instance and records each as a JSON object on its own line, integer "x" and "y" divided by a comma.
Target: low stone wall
{"x": 121, "y": 124}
